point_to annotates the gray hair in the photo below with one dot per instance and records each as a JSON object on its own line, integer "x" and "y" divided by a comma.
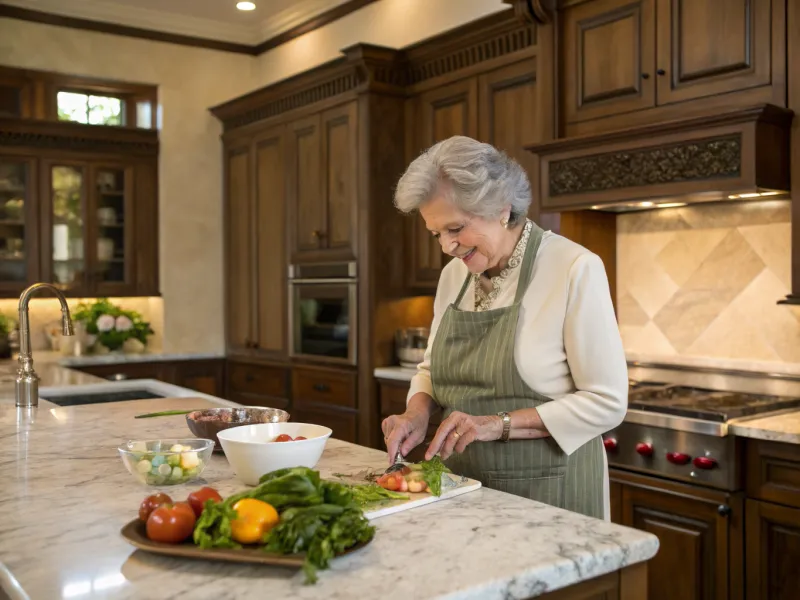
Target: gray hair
{"x": 482, "y": 180}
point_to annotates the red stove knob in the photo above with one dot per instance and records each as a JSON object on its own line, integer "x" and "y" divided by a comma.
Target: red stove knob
{"x": 610, "y": 443}
{"x": 678, "y": 458}
{"x": 704, "y": 462}
{"x": 645, "y": 448}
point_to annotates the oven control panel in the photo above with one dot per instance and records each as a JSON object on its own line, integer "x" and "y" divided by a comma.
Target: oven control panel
{"x": 690, "y": 457}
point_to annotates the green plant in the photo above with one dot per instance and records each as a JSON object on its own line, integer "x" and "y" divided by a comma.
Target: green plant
{"x": 111, "y": 324}
{"x": 7, "y": 324}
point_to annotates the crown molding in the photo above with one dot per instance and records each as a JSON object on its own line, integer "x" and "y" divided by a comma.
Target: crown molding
{"x": 102, "y": 17}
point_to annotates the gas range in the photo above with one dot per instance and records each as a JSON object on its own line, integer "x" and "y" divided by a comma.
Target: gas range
{"x": 677, "y": 421}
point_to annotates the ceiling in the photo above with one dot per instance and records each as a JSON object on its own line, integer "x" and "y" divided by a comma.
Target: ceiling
{"x": 210, "y": 19}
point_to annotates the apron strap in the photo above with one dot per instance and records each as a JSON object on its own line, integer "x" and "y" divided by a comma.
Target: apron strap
{"x": 463, "y": 291}
{"x": 531, "y": 250}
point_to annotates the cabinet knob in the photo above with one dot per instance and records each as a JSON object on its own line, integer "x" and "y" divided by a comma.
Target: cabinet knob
{"x": 249, "y": 378}
{"x": 317, "y": 234}
{"x": 321, "y": 387}
{"x": 645, "y": 75}
{"x": 661, "y": 72}
{"x": 724, "y": 510}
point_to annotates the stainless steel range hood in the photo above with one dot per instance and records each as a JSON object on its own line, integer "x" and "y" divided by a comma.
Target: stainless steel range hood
{"x": 733, "y": 156}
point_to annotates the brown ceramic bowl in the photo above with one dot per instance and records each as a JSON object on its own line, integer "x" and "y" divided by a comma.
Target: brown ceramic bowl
{"x": 207, "y": 423}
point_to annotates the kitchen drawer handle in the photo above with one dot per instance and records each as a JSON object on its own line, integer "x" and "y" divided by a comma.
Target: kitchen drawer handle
{"x": 724, "y": 510}
{"x": 249, "y": 378}
{"x": 645, "y": 75}
{"x": 321, "y": 387}
{"x": 661, "y": 72}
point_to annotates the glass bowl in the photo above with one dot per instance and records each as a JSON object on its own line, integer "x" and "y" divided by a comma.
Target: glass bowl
{"x": 209, "y": 422}
{"x": 166, "y": 462}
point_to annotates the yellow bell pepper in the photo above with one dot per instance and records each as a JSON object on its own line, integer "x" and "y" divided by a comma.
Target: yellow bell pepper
{"x": 254, "y": 518}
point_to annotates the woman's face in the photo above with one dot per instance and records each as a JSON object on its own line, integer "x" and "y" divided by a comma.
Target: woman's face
{"x": 477, "y": 241}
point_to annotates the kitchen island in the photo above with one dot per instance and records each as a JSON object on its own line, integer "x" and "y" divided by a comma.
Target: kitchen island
{"x": 67, "y": 494}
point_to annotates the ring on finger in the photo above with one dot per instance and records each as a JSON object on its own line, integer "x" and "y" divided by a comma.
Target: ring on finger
{"x": 456, "y": 435}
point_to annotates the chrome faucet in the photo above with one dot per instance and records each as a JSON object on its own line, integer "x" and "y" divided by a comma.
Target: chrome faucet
{"x": 27, "y": 386}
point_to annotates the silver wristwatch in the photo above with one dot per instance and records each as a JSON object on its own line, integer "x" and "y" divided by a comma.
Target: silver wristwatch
{"x": 506, "y": 425}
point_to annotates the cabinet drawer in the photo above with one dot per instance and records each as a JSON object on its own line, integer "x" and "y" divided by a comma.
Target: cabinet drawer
{"x": 773, "y": 472}
{"x": 257, "y": 379}
{"x": 317, "y": 386}
{"x": 257, "y": 400}
{"x": 393, "y": 397}
{"x": 344, "y": 423}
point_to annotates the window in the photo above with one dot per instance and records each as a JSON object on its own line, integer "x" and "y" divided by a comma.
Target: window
{"x": 90, "y": 109}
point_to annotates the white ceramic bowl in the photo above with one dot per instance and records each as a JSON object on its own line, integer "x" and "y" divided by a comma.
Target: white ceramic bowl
{"x": 251, "y": 451}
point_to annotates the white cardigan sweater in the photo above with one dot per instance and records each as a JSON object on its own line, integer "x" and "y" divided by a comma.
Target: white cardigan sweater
{"x": 567, "y": 347}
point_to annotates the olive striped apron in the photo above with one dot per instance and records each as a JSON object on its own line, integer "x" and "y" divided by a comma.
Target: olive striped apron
{"x": 473, "y": 371}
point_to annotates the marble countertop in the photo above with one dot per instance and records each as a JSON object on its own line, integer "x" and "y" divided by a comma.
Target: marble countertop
{"x": 66, "y": 495}
{"x": 783, "y": 426}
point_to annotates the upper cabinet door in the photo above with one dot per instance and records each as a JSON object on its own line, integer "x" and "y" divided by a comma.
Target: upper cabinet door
{"x": 708, "y": 47}
{"x": 609, "y": 58}
{"x": 323, "y": 185}
{"x": 442, "y": 113}
{"x": 270, "y": 243}
{"x": 19, "y": 240}
{"x": 65, "y": 234}
{"x": 111, "y": 231}
{"x": 239, "y": 255}
{"x": 307, "y": 222}
{"x": 340, "y": 180}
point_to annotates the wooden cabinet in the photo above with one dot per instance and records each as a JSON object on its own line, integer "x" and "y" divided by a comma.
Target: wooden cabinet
{"x": 700, "y": 536}
{"x": 256, "y": 245}
{"x": 620, "y": 57}
{"x": 203, "y": 375}
{"x": 258, "y": 384}
{"x": 327, "y": 397}
{"x": 78, "y": 208}
{"x": 608, "y": 50}
{"x": 322, "y": 186}
{"x": 773, "y": 551}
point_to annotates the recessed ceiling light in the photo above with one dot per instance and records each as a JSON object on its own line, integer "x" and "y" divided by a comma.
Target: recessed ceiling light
{"x": 246, "y": 5}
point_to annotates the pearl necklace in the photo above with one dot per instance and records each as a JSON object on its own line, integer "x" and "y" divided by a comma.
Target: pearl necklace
{"x": 483, "y": 301}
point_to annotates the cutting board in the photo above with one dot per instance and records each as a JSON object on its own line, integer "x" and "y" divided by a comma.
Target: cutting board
{"x": 461, "y": 485}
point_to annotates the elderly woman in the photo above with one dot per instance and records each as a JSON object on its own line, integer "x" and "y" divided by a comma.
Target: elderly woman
{"x": 524, "y": 354}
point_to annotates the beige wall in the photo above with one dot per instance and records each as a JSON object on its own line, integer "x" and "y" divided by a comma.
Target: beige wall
{"x": 700, "y": 285}
{"x": 189, "y": 81}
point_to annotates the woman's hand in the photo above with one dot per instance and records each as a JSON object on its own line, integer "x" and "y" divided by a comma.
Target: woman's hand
{"x": 404, "y": 432}
{"x": 459, "y": 430}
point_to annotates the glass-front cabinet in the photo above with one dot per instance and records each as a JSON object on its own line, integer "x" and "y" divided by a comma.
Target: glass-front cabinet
{"x": 19, "y": 262}
{"x": 89, "y": 218}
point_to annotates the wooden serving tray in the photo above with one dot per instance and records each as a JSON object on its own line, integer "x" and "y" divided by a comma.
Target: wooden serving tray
{"x": 135, "y": 533}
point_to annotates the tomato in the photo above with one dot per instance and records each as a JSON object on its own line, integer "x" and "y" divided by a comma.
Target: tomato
{"x": 254, "y": 518}
{"x": 300, "y": 437}
{"x": 151, "y": 503}
{"x": 197, "y": 499}
{"x": 394, "y": 482}
{"x": 171, "y": 523}
{"x": 284, "y": 437}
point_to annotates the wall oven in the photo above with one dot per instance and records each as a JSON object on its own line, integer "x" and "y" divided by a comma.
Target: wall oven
{"x": 322, "y": 312}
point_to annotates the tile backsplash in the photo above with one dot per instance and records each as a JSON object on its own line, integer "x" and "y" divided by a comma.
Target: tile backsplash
{"x": 702, "y": 283}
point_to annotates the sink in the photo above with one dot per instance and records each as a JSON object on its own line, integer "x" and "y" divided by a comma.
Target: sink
{"x": 67, "y": 399}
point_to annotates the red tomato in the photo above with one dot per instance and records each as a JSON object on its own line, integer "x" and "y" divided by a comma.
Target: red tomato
{"x": 299, "y": 437}
{"x": 151, "y": 503}
{"x": 394, "y": 482}
{"x": 171, "y": 523}
{"x": 197, "y": 499}
{"x": 284, "y": 437}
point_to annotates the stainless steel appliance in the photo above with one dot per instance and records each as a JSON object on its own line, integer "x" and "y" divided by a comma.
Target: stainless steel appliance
{"x": 323, "y": 312}
{"x": 678, "y": 420}
{"x": 410, "y": 345}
